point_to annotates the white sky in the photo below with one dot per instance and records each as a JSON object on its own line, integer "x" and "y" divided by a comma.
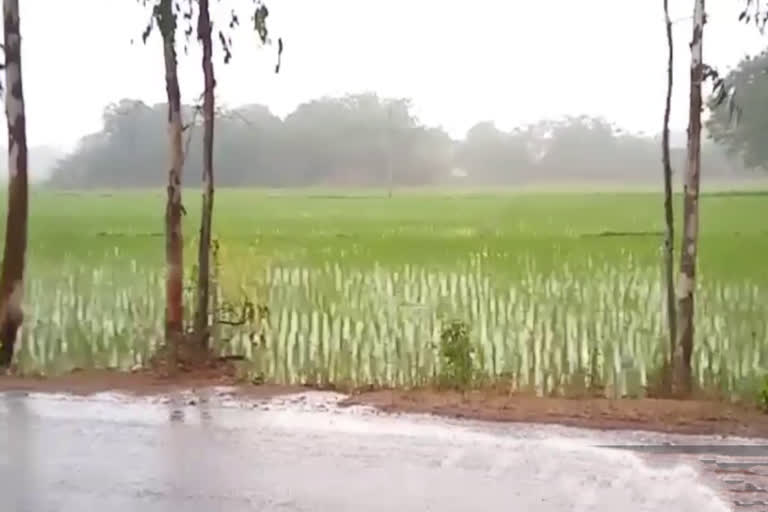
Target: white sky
{"x": 511, "y": 61}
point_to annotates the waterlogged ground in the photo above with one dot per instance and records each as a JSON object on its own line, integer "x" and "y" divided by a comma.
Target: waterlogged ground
{"x": 209, "y": 450}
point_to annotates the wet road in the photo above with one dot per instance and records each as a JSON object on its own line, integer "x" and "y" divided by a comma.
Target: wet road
{"x": 303, "y": 453}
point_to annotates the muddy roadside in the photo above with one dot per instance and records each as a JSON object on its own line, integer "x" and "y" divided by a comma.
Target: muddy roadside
{"x": 143, "y": 383}
{"x": 704, "y": 417}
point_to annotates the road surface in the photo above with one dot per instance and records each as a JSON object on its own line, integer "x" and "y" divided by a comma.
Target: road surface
{"x": 303, "y": 453}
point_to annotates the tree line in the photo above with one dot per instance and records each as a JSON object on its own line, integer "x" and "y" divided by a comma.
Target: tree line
{"x": 364, "y": 140}
{"x": 739, "y": 126}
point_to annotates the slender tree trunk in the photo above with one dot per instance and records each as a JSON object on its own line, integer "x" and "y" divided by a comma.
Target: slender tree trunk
{"x": 12, "y": 277}
{"x": 390, "y": 171}
{"x": 204, "y": 248}
{"x": 689, "y": 247}
{"x": 174, "y": 240}
{"x": 669, "y": 217}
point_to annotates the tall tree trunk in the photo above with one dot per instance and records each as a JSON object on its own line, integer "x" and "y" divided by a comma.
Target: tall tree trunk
{"x": 204, "y": 248}
{"x": 689, "y": 247}
{"x": 669, "y": 217}
{"x": 174, "y": 241}
{"x": 12, "y": 277}
{"x": 390, "y": 170}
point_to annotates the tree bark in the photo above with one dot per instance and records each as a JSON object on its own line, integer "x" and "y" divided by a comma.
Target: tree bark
{"x": 206, "y": 219}
{"x": 14, "y": 253}
{"x": 669, "y": 217}
{"x": 174, "y": 240}
{"x": 689, "y": 247}
{"x": 390, "y": 170}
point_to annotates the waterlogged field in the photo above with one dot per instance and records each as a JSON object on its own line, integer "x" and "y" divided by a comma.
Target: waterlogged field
{"x": 558, "y": 289}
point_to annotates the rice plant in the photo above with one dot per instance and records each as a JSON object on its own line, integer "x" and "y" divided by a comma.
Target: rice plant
{"x": 381, "y": 326}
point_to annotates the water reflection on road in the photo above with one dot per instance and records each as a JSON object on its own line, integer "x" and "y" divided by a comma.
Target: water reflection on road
{"x": 303, "y": 453}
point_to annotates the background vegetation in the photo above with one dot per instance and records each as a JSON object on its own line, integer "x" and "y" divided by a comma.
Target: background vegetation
{"x": 357, "y": 139}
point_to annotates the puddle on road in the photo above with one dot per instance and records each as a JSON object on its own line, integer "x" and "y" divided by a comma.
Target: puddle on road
{"x": 537, "y": 467}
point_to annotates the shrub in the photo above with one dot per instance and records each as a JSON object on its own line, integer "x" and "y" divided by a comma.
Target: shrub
{"x": 456, "y": 354}
{"x": 762, "y": 397}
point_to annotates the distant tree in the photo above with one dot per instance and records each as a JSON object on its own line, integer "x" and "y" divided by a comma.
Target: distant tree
{"x": 669, "y": 215}
{"x": 351, "y": 140}
{"x": 491, "y": 156}
{"x": 743, "y": 136}
{"x": 590, "y": 148}
{"x": 249, "y": 148}
{"x": 132, "y": 146}
{"x": 165, "y": 15}
{"x": 741, "y": 91}
{"x": 14, "y": 252}
{"x": 204, "y": 30}
{"x": 573, "y": 143}
{"x": 690, "y": 242}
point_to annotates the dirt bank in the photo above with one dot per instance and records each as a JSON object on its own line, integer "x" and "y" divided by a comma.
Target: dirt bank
{"x": 138, "y": 383}
{"x": 668, "y": 416}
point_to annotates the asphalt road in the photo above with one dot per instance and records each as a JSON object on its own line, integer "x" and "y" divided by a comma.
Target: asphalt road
{"x": 303, "y": 453}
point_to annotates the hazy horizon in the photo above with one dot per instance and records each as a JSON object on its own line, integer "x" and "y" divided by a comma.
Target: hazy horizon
{"x": 497, "y": 62}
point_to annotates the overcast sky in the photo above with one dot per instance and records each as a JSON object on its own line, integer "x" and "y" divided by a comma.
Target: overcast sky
{"x": 511, "y": 61}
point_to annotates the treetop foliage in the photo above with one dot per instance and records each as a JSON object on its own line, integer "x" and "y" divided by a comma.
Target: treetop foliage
{"x": 356, "y": 140}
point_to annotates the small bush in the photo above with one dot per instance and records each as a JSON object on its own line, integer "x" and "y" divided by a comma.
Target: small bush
{"x": 762, "y": 397}
{"x": 456, "y": 354}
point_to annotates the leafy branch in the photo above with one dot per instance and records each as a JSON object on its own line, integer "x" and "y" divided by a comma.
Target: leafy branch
{"x": 724, "y": 91}
{"x": 185, "y": 10}
{"x": 754, "y": 12}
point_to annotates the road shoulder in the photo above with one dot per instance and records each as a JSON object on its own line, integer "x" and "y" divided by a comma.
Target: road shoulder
{"x": 704, "y": 417}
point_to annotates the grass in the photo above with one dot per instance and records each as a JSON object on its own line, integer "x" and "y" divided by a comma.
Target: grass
{"x": 558, "y": 288}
